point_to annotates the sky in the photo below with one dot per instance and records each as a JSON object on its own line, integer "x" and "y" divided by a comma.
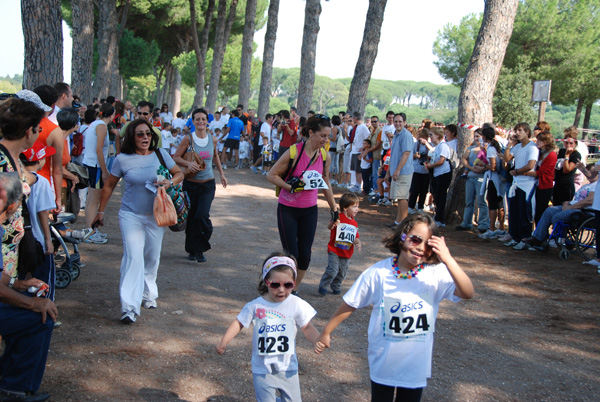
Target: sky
{"x": 405, "y": 48}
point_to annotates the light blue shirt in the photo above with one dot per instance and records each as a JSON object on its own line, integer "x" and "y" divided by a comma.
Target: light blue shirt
{"x": 402, "y": 142}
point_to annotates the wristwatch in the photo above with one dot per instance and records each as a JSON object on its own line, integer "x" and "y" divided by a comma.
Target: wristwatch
{"x": 12, "y": 282}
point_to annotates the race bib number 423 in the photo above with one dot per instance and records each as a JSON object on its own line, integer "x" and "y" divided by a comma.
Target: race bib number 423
{"x": 314, "y": 180}
{"x": 408, "y": 318}
{"x": 275, "y": 337}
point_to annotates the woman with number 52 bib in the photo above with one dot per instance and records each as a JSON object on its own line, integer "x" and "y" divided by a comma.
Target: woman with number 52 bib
{"x": 405, "y": 292}
{"x": 300, "y": 173}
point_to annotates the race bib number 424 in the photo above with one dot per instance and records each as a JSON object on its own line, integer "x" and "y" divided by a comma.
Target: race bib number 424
{"x": 408, "y": 318}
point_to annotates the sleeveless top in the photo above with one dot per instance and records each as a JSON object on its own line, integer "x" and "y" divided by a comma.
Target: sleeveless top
{"x": 305, "y": 198}
{"x": 471, "y": 160}
{"x": 206, "y": 153}
{"x": 47, "y": 127}
{"x": 90, "y": 157}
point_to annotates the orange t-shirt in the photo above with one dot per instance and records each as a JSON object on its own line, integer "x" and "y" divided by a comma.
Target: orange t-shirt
{"x": 66, "y": 158}
{"x": 47, "y": 127}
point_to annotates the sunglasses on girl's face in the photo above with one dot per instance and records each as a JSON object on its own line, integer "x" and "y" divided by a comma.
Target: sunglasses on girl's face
{"x": 276, "y": 285}
{"x": 144, "y": 134}
{"x": 415, "y": 240}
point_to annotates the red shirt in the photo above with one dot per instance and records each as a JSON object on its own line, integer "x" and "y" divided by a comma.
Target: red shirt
{"x": 286, "y": 139}
{"x": 545, "y": 172}
{"x": 342, "y": 249}
{"x": 47, "y": 127}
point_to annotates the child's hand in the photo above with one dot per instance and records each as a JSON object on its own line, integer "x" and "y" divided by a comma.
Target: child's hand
{"x": 322, "y": 343}
{"x": 438, "y": 246}
{"x": 221, "y": 348}
{"x": 358, "y": 245}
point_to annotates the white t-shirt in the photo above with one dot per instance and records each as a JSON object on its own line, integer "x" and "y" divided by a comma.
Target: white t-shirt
{"x": 40, "y": 199}
{"x": 167, "y": 139}
{"x": 90, "y": 158}
{"x": 178, "y": 123}
{"x": 225, "y": 118}
{"x": 453, "y": 144}
{"x": 440, "y": 150}
{"x": 244, "y": 149}
{"x": 522, "y": 156}
{"x": 388, "y": 128}
{"x": 274, "y": 336}
{"x": 265, "y": 129}
{"x": 402, "y": 321}
{"x": 361, "y": 134}
{"x": 166, "y": 117}
{"x": 213, "y": 125}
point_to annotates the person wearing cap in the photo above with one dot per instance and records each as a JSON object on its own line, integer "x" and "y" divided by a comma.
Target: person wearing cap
{"x": 51, "y": 135}
{"x": 23, "y": 323}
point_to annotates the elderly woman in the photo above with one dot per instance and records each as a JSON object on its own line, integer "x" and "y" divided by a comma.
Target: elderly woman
{"x": 200, "y": 188}
{"x": 297, "y": 211}
{"x": 138, "y": 165}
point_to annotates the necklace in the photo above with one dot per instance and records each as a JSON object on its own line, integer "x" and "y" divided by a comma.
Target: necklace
{"x": 413, "y": 272}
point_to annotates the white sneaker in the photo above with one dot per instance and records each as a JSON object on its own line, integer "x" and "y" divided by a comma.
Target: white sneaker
{"x": 489, "y": 234}
{"x": 505, "y": 238}
{"x": 95, "y": 239}
{"x": 593, "y": 262}
{"x": 499, "y": 232}
{"x": 82, "y": 234}
{"x": 333, "y": 182}
{"x": 128, "y": 318}
{"x": 101, "y": 234}
{"x": 411, "y": 211}
{"x": 148, "y": 304}
{"x": 260, "y": 168}
{"x": 511, "y": 243}
{"x": 521, "y": 246}
{"x": 224, "y": 167}
{"x": 372, "y": 193}
{"x": 552, "y": 243}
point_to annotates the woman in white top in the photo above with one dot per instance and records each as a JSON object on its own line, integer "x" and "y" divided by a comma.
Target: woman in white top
{"x": 165, "y": 115}
{"x": 442, "y": 174}
{"x": 94, "y": 159}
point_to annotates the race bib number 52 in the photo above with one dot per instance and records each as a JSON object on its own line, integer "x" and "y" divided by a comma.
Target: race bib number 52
{"x": 408, "y": 318}
{"x": 314, "y": 180}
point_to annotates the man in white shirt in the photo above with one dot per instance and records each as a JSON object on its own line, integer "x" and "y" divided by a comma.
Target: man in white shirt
{"x": 361, "y": 133}
{"x": 216, "y": 123}
{"x": 65, "y": 99}
{"x": 225, "y": 115}
{"x": 179, "y": 122}
{"x": 388, "y": 128}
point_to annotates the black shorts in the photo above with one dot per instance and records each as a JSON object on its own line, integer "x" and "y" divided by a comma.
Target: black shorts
{"x": 232, "y": 144}
{"x": 355, "y": 163}
{"x": 95, "y": 177}
{"x": 495, "y": 202}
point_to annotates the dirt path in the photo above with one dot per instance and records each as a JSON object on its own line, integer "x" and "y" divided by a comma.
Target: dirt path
{"x": 530, "y": 334}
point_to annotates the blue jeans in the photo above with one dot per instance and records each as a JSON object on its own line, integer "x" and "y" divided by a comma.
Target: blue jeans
{"x": 472, "y": 188}
{"x": 27, "y": 341}
{"x": 375, "y": 165}
{"x": 550, "y": 216}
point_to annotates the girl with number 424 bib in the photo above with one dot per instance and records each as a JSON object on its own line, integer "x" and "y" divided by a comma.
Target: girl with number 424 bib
{"x": 405, "y": 292}
{"x": 275, "y": 316}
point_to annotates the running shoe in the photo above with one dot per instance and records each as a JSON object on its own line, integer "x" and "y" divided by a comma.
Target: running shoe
{"x": 511, "y": 243}
{"x": 552, "y": 243}
{"x": 149, "y": 304}
{"x": 82, "y": 234}
{"x": 101, "y": 234}
{"x": 489, "y": 234}
{"x": 440, "y": 224}
{"x": 592, "y": 262}
{"x": 95, "y": 239}
{"x": 128, "y": 318}
{"x": 521, "y": 246}
{"x": 224, "y": 166}
{"x": 499, "y": 232}
{"x": 505, "y": 238}
{"x": 254, "y": 169}
{"x": 333, "y": 182}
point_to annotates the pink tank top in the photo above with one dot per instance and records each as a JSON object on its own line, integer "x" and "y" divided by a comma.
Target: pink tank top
{"x": 305, "y": 198}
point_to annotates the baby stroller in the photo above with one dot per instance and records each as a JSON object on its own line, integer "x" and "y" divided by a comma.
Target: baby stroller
{"x": 68, "y": 264}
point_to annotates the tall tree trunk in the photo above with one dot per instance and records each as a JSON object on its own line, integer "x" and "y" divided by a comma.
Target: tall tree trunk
{"x": 221, "y": 38}
{"x": 357, "y": 98}
{"x": 308, "y": 53}
{"x": 42, "y": 34}
{"x": 580, "y": 103}
{"x": 176, "y": 91}
{"x": 107, "y": 35}
{"x": 116, "y": 80}
{"x": 83, "y": 49}
{"x": 266, "y": 75}
{"x": 586, "y": 118}
{"x": 247, "y": 42}
{"x": 475, "y": 102}
{"x": 200, "y": 49}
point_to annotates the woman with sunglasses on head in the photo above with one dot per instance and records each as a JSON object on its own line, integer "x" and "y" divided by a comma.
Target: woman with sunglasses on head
{"x": 200, "y": 188}
{"x": 405, "y": 292}
{"x": 300, "y": 176}
{"x": 276, "y": 315}
{"x": 138, "y": 164}
{"x": 564, "y": 174}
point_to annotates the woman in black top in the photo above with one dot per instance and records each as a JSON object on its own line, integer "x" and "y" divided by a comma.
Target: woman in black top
{"x": 564, "y": 174}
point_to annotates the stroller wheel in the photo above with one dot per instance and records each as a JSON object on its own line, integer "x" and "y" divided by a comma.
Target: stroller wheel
{"x": 63, "y": 278}
{"x": 75, "y": 271}
{"x": 564, "y": 254}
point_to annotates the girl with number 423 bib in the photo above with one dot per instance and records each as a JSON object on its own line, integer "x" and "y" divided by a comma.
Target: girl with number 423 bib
{"x": 275, "y": 316}
{"x": 405, "y": 292}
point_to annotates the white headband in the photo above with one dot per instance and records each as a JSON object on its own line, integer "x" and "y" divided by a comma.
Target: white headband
{"x": 277, "y": 261}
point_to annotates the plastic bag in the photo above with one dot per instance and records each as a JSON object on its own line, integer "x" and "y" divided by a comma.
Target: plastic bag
{"x": 164, "y": 211}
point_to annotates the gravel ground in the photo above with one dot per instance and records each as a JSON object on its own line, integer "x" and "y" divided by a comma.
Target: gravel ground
{"x": 530, "y": 333}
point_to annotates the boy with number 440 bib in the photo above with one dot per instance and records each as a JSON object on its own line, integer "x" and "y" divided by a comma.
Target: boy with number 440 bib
{"x": 344, "y": 238}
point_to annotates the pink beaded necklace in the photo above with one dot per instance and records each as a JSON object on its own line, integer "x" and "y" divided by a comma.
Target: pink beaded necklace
{"x": 413, "y": 272}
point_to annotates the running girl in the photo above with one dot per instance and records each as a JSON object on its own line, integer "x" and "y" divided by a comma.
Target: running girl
{"x": 275, "y": 315}
{"x": 405, "y": 292}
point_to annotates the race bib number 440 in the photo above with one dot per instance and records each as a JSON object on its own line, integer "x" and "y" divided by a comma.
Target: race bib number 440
{"x": 407, "y": 318}
{"x": 345, "y": 234}
{"x": 275, "y": 337}
{"x": 314, "y": 180}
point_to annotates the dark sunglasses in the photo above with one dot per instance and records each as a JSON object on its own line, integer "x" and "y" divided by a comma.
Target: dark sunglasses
{"x": 414, "y": 240}
{"x": 144, "y": 134}
{"x": 321, "y": 116}
{"x": 276, "y": 285}
{"x": 144, "y": 113}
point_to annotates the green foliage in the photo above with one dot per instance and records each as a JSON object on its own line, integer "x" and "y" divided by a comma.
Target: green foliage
{"x": 11, "y": 85}
{"x": 512, "y": 98}
{"x": 136, "y": 56}
{"x": 454, "y": 46}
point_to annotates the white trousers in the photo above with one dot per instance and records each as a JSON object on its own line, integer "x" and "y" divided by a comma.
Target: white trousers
{"x": 142, "y": 242}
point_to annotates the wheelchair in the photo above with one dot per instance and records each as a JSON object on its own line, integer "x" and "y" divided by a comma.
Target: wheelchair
{"x": 577, "y": 234}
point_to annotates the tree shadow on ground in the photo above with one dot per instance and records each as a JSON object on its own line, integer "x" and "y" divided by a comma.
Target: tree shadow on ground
{"x": 159, "y": 395}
